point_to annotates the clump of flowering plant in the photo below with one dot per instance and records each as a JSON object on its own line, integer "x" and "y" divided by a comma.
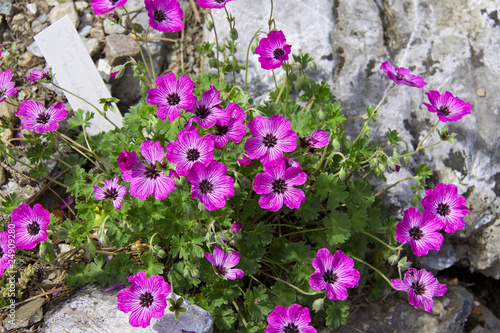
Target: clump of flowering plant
{"x": 248, "y": 210}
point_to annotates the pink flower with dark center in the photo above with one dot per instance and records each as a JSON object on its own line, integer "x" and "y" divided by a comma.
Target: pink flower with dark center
{"x": 273, "y": 50}
{"x": 207, "y": 110}
{"x": 165, "y": 15}
{"x": 276, "y": 185}
{"x": 172, "y": 95}
{"x": 39, "y": 75}
{"x": 402, "y": 75}
{"x": 111, "y": 190}
{"x": 230, "y": 126}
{"x": 318, "y": 139}
{"x": 294, "y": 319}
{"x": 224, "y": 263}
{"x": 189, "y": 149}
{"x": 38, "y": 118}
{"x": 334, "y": 273}
{"x": 273, "y": 136}
{"x": 145, "y": 299}
{"x": 419, "y": 231}
{"x": 210, "y": 184}
{"x": 6, "y": 86}
{"x": 290, "y": 163}
{"x": 30, "y": 225}
{"x": 421, "y": 286}
{"x": 7, "y": 248}
{"x": 444, "y": 203}
{"x": 103, "y": 6}
{"x": 147, "y": 178}
{"x": 244, "y": 160}
{"x": 212, "y": 3}
{"x": 447, "y": 107}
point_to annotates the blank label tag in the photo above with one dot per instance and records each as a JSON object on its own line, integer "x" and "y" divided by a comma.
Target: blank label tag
{"x": 75, "y": 71}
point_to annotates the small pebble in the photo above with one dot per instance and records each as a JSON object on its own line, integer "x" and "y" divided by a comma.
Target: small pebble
{"x": 481, "y": 92}
{"x": 31, "y": 8}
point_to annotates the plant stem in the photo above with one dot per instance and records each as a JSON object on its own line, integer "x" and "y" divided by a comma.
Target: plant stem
{"x": 238, "y": 309}
{"x": 138, "y": 44}
{"x": 281, "y": 91}
{"x": 304, "y": 231}
{"x": 432, "y": 130}
{"x": 381, "y": 241}
{"x": 271, "y": 15}
{"x": 375, "y": 269}
{"x": 248, "y": 52}
{"x": 396, "y": 183}
{"x": 232, "y": 48}
{"x": 324, "y": 154}
{"x": 216, "y": 42}
{"x": 292, "y": 286}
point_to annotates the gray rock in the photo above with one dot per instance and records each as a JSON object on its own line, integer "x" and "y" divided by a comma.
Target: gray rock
{"x": 3, "y": 176}
{"x": 483, "y": 320}
{"x": 111, "y": 28}
{"x": 119, "y": 48}
{"x": 26, "y": 315}
{"x": 31, "y": 8}
{"x": 97, "y": 33}
{"x": 26, "y": 60}
{"x": 8, "y": 111}
{"x": 445, "y": 258}
{"x": 85, "y": 31}
{"x": 92, "y": 310}
{"x": 35, "y": 50}
{"x": 81, "y": 5}
{"x": 66, "y": 8}
{"x": 395, "y": 314}
{"x": 86, "y": 19}
{"x": 36, "y": 26}
{"x": 104, "y": 68}
{"x": 92, "y": 45}
{"x": 42, "y": 18}
{"x": 6, "y": 8}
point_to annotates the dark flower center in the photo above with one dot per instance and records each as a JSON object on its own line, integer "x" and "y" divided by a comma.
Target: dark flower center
{"x": 111, "y": 193}
{"x": 329, "y": 277}
{"x": 221, "y": 130}
{"x": 113, "y": 2}
{"x": 279, "y": 186}
{"x": 202, "y": 112}
{"x": 278, "y": 53}
{"x": 443, "y": 209}
{"x": 305, "y": 142}
{"x": 220, "y": 269}
{"x": 291, "y": 328}
{"x": 146, "y": 299}
{"x": 33, "y": 228}
{"x": 418, "y": 288}
{"x": 270, "y": 141}
{"x": 416, "y": 233}
{"x": 1, "y": 253}
{"x": 159, "y": 15}
{"x": 444, "y": 110}
{"x": 206, "y": 186}
{"x": 399, "y": 77}
{"x": 151, "y": 173}
{"x": 173, "y": 99}
{"x": 42, "y": 118}
{"x": 193, "y": 154}
{"x": 220, "y": 1}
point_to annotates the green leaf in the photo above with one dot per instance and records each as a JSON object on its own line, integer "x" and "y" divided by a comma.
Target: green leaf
{"x": 119, "y": 267}
{"x": 299, "y": 251}
{"x": 309, "y": 210}
{"x": 80, "y": 118}
{"x": 338, "y": 227}
{"x": 150, "y": 266}
{"x": 284, "y": 294}
{"x": 10, "y": 202}
{"x": 358, "y": 216}
{"x": 329, "y": 186}
{"x": 224, "y": 319}
{"x": 257, "y": 303}
{"x": 361, "y": 192}
{"x": 75, "y": 276}
{"x": 337, "y": 313}
{"x": 393, "y": 137}
{"x": 95, "y": 271}
{"x": 423, "y": 171}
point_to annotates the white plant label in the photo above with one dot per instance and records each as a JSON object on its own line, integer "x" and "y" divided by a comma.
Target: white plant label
{"x": 75, "y": 71}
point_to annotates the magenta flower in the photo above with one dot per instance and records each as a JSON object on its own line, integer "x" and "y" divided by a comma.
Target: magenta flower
{"x": 103, "y": 6}
{"x": 66, "y": 203}
{"x": 172, "y": 95}
{"x": 7, "y": 248}
{"x": 224, "y": 263}
{"x": 402, "y": 76}
{"x": 334, "y": 273}
{"x": 212, "y": 3}
{"x": 236, "y": 226}
{"x": 295, "y": 318}
{"x": 230, "y": 126}
{"x": 165, "y": 15}
{"x": 273, "y": 136}
{"x": 207, "y": 110}
{"x": 39, "y": 75}
{"x": 447, "y": 107}
{"x": 114, "y": 74}
{"x": 38, "y": 118}
{"x": 189, "y": 149}
{"x": 421, "y": 286}
{"x": 210, "y": 184}
{"x": 6, "y": 86}
{"x": 244, "y": 160}
{"x": 419, "y": 231}
{"x": 290, "y": 163}
{"x": 145, "y": 299}
{"x": 273, "y": 50}
{"x": 444, "y": 203}
{"x": 276, "y": 185}
{"x": 146, "y": 178}
{"x": 111, "y": 190}
{"x": 30, "y": 225}
{"x": 126, "y": 160}
{"x": 318, "y": 139}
